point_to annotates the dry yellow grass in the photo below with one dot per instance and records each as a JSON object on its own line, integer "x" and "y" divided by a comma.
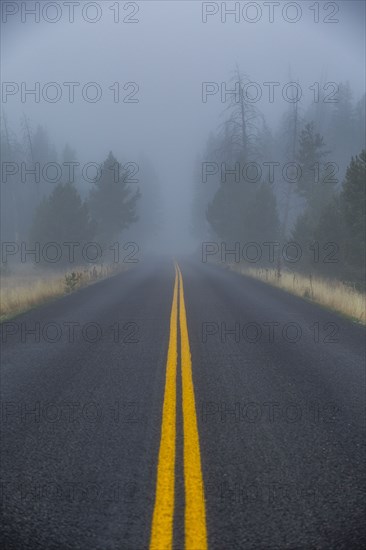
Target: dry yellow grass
{"x": 330, "y": 293}
{"x": 19, "y": 293}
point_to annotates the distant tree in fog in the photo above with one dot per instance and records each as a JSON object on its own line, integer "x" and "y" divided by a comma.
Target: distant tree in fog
{"x": 340, "y": 227}
{"x": 243, "y": 210}
{"x": 149, "y": 208}
{"x": 353, "y": 208}
{"x": 314, "y": 182}
{"x": 360, "y": 123}
{"x": 206, "y": 182}
{"x": 10, "y": 197}
{"x": 62, "y": 217}
{"x": 317, "y": 180}
{"x": 241, "y": 126}
{"x": 112, "y": 202}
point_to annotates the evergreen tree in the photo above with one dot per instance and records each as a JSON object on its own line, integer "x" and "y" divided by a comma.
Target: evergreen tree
{"x": 329, "y": 234}
{"x": 10, "y": 202}
{"x": 68, "y": 154}
{"x": 342, "y": 135}
{"x": 313, "y": 183}
{"x": 112, "y": 202}
{"x": 149, "y": 207}
{"x": 341, "y": 227}
{"x": 360, "y": 125}
{"x": 285, "y": 190}
{"x": 206, "y": 185}
{"x": 317, "y": 188}
{"x": 353, "y": 208}
{"x": 244, "y": 212}
{"x": 62, "y": 217}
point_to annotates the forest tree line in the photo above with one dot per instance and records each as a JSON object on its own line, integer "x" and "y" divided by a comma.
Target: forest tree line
{"x": 50, "y": 197}
{"x": 303, "y": 182}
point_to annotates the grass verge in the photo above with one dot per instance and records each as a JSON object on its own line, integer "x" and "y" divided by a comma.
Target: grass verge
{"x": 21, "y": 292}
{"x": 332, "y": 294}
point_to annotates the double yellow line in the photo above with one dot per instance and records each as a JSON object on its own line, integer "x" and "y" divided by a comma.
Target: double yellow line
{"x": 195, "y": 513}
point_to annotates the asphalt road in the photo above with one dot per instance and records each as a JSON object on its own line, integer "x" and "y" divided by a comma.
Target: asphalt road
{"x": 278, "y": 403}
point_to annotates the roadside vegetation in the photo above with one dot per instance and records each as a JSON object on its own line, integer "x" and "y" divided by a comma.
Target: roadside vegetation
{"x": 312, "y": 202}
{"x": 83, "y": 221}
{"x": 22, "y": 292}
{"x": 336, "y": 295}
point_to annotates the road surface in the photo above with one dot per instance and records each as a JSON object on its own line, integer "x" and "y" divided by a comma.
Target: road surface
{"x": 182, "y": 407}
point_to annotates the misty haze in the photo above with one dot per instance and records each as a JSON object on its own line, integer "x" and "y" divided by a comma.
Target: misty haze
{"x": 183, "y": 221}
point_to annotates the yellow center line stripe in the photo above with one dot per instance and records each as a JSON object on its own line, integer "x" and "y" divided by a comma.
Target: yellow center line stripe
{"x": 195, "y": 513}
{"x": 162, "y": 524}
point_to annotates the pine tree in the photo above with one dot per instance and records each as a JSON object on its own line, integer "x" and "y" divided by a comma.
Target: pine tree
{"x": 291, "y": 124}
{"x": 60, "y": 218}
{"x": 217, "y": 150}
{"x": 313, "y": 183}
{"x": 149, "y": 207}
{"x": 343, "y": 125}
{"x": 360, "y": 125}
{"x": 244, "y": 210}
{"x": 353, "y": 207}
{"x": 112, "y": 202}
{"x": 10, "y": 197}
{"x": 317, "y": 189}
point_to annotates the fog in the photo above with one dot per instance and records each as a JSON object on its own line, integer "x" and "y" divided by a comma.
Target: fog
{"x": 168, "y": 52}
